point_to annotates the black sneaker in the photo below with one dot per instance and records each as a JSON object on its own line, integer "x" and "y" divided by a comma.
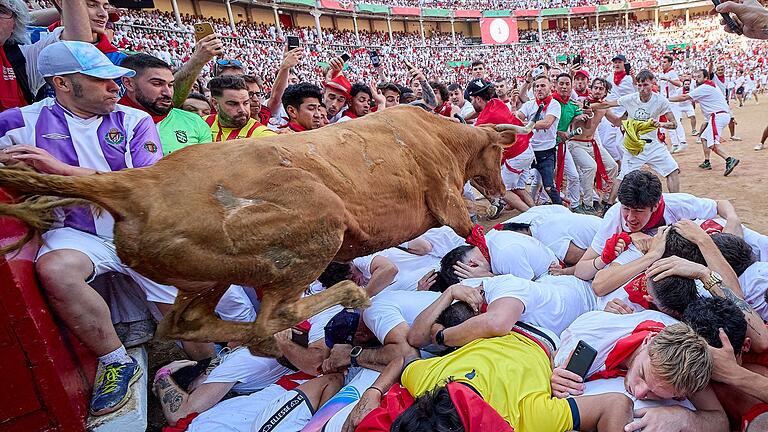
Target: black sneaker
{"x": 495, "y": 209}
{"x": 705, "y": 165}
{"x": 730, "y": 164}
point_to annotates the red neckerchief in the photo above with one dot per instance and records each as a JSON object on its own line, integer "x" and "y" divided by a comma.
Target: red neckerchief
{"x": 444, "y": 109}
{"x": 351, "y": 114}
{"x": 618, "y": 76}
{"x": 720, "y": 77}
{"x": 711, "y": 227}
{"x": 130, "y": 103}
{"x": 560, "y": 99}
{"x": 544, "y": 101}
{"x": 666, "y": 70}
{"x": 296, "y": 127}
{"x": 104, "y": 45}
{"x": 11, "y": 95}
{"x": 477, "y": 238}
{"x": 592, "y": 100}
{"x": 625, "y": 347}
{"x": 660, "y": 134}
{"x": 181, "y": 424}
{"x": 657, "y": 218}
{"x": 710, "y": 82}
{"x": 584, "y": 93}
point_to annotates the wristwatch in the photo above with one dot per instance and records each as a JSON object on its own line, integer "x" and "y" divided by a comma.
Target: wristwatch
{"x": 713, "y": 279}
{"x": 354, "y": 354}
{"x": 440, "y": 337}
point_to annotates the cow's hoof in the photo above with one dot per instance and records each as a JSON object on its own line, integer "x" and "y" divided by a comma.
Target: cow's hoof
{"x": 355, "y": 297}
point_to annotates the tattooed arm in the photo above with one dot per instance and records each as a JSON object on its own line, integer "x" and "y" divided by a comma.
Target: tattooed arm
{"x": 177, "y": 403}
{"x": 756, "y": 329}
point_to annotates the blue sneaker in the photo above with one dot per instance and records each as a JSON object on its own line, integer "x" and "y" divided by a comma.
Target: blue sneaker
{"x": 112, "y": 388}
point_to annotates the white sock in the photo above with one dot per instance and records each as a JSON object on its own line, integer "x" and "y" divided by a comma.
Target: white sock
{"x": 119, "y": 355}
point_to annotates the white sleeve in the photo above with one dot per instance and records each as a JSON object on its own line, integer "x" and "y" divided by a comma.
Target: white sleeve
{"x": 364, "y": 264}
{"x": 318, "y": 322}
{"x": 508, "y": 286}
{"x": 629, "y": 255}
{"x": 692, "y": 207}
{"x": 32, "y": 52}
{"x": 554, "y": 109}
{"x": 610, "y": 226}
{"x": 382, "y": 317}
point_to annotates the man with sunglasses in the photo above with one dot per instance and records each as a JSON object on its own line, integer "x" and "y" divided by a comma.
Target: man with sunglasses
{"x": 225, "y": 67}
{"x": 21, "y": 80}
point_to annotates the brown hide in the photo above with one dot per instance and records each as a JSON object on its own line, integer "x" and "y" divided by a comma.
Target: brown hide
{"x": 273, "y": 212}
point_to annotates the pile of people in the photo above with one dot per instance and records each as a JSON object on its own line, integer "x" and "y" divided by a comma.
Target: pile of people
{"x": 614, "y": 307}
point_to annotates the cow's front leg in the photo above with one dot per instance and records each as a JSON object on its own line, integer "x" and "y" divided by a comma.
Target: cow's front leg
{"x": 448, "y": 207}
{"x": 276, "y": 314}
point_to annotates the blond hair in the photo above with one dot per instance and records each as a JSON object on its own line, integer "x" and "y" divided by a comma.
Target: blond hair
{"x": 680, "y": 357}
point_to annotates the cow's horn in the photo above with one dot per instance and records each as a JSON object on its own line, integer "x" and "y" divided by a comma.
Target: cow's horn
{"x": 515, "y": 128}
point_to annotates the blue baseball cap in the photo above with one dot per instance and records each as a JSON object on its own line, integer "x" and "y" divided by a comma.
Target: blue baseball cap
{"x": 342, "y": 327}
{"x": 68, "y": 57}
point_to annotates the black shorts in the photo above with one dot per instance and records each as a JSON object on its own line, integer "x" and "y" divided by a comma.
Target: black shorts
{"x": 740, "y": 90}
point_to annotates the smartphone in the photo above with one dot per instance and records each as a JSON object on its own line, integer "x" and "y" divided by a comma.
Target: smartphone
{"x": 736, "y": 28}
{"x": 293, "y": 42}
{"x": 581, "y": 359}
{"x": 576, "y": 60}
{"x": 300, "y": 336}
{"x": 375, "y": 60}
{"x": 346, "y": 57}
{"x": 202, "y": 30}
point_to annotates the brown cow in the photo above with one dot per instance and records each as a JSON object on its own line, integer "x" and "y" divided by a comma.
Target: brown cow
{"x": 273, "y": 213}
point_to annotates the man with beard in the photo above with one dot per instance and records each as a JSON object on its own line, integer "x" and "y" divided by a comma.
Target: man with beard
{"x": 233, "y": 111}
{"x": 592, "y": 159}
{"x": 336, "y": 96}
{"x": 151, "y": 91}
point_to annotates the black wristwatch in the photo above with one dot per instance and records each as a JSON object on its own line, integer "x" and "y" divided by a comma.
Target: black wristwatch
{"x": 354, "y": 354}
{"x": 440, "y": 337}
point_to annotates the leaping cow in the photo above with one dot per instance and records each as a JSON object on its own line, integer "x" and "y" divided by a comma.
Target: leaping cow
{"x": 272, "y": 213}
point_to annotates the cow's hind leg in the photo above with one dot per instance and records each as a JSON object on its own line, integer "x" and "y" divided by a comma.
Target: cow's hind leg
{"x": 193, "y": 319}
{"x": 276, "y": 314}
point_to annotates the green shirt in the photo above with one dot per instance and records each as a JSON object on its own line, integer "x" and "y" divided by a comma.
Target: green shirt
{"x": 182, "y": 128}
{"x": 568, "y": 112}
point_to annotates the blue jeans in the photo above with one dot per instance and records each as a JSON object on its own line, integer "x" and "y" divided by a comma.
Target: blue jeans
{"x": 545, "y": 165}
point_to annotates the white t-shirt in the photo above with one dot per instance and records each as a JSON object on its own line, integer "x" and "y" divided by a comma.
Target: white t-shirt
{"x": 410, "y": 267}
{"x": 656, "y": 106}
{"x": 518, "y": 254}
{"x": 625, "y": 87}
{"x": 391, "y": 308}
{"x": 236, "y": 414}
{"x": 552, "y": 302}
{"x": 678, "y": 206}
{"x": 542, "y": 139}
{"x": 467, "y": 109}
{"x": 558, "y": 231}
{"x": 722, "y": 85}
{"x": 754, "y": 283}
{"x": 443, "y": 240}
{"x": 538, "y": 212}
{"x": 616, "y": 385}
{"x": 601, "y": 330}
{"x": 758, "y": 242}
{"x": 739, "y": 81}
{"x": 665, "y": 87}
{"x": 710, "y": 99}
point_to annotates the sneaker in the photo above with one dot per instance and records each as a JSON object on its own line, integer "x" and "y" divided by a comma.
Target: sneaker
{"x": 698, "y": 140}
{"x": 735, "y": 138}
{"x": 494, "y": 210}
{"x": 705, "y": 165}
{"x": 759, "y": 147}
{"x": 139, "y": 332}
{"x": 675, "y": 148}
{"x": 694, "y": 132}
{"x": 112, "y": 388}
{"x": 730, "y": 164}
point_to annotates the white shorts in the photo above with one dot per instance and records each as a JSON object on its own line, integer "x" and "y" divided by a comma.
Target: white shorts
{"x": 721, "y": 122}
{"x": 104, "y": 257}
{"x": 687, "y": 110}
{"x": 515, "y": 171}
{"x": 655, "y": 155}
{"x": 288, "y": 412}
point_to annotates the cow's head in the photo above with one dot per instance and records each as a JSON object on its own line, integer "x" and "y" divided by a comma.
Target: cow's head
{"x": 485, "y": 168}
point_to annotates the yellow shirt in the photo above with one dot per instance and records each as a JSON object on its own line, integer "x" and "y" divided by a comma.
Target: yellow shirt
{"x": 252, "y": 129}
{"x": 511, "y": 373}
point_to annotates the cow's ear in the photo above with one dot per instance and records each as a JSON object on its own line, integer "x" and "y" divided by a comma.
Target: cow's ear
{"x": 506, "y": 138}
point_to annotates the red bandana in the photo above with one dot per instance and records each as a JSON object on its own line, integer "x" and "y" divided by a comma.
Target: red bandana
{"x": 618, "y": 76}
{"x": 711, "y": 227}
{"x": 657, "y": 218}
{"x": 584, "y": 93}
{"x": 351, "y": 114}
{"x": 477, "y": 238}
{"x": 181, "y": 424}
{"x": 104, "y": 45}
{"x": 296, "y": 127}
{"x": 444, "y": 109}
{"x": 560, "y": 99}
{"x": 544, "y": 101}
{"x": 475, "y": 413}
{"x": 625, "y": 347}
{"x": 710, "y": 82}
{"x": 721, "y": 78}
{"x": 130, "y": 103}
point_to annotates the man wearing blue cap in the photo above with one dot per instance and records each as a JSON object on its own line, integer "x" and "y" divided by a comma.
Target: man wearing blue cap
{"x": 80, "y": 132}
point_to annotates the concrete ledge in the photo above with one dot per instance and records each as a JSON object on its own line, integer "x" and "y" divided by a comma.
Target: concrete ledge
{"x": 133, "y": 415}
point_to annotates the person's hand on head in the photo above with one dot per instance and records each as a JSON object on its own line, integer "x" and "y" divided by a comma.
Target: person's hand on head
{"x": 659, "y": 243}
{"x": 690, "y": 230}
{"x": 676, "y": 266}
{"x": 338, "y": 360}
{"x": 724, "y": 359}
{"x": 470, "y": 295}
{"x": 426, "y": 281}
{"x": 642, "y": 241}
{"x": 470, "y": 270}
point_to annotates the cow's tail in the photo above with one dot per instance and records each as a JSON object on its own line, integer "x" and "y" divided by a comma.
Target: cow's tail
{"x": 43, "y": 193}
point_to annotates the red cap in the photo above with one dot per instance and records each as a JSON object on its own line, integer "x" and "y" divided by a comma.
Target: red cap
{"x": 581, "y": 72}
{"x": 341, "y": 84}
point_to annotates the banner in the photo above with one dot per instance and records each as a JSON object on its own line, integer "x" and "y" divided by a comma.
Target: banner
{"x": 583, "y": 10}
{"x": 527, "y": 12}
{"x": 458, "y": 64}
{"x": 498, "y": 31}
{"x": 467, "y": 13}
{"x": 441, "y": 13}
{"x": 497, "y": 13}
{"x": 556, "y": 11}
{"x": 372, "y": 8}
{"x": 405, "y": 11}
{"x": 337, "y": 5}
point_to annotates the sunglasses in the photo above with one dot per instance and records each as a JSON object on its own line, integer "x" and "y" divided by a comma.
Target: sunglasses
{"x": 255, "y": 94}
{"x": 226, "y": 62}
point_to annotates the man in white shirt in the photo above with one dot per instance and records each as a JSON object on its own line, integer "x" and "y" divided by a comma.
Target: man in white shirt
{"x": 718, "y": 114}
{"x": 456, "y": 96}
{"x": 544, "y": 135}
{"x": 670, "y": 85}
{"x": 739, "y": 83}
{"x": 623, "y": 83}
{"x": 642, "y": 106}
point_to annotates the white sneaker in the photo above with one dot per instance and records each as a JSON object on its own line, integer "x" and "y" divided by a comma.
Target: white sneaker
{"x": 677, "y": 148}
{"x": 698, "y": 140}
{"x": 735, "y": 138}
{"x": 759, "y": 147}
